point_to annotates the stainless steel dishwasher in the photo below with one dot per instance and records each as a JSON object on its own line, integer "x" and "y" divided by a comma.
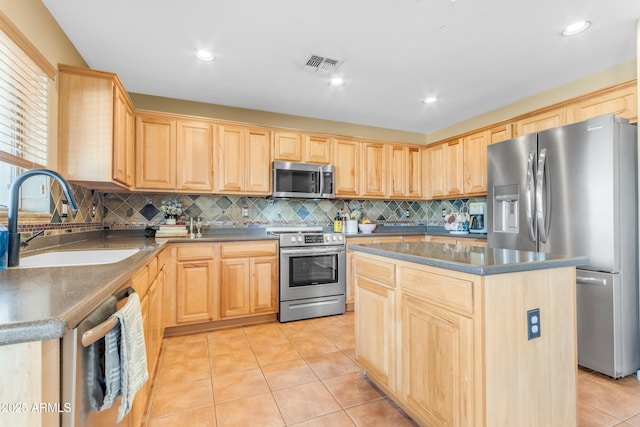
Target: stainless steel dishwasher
{"x": 75, "y": 365}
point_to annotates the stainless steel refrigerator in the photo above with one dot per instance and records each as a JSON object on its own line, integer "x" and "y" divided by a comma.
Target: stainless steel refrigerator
{"x": 573, "y": 190}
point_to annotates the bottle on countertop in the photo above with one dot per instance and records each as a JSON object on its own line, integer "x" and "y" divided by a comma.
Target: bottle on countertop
{"x": 337, "y": 223}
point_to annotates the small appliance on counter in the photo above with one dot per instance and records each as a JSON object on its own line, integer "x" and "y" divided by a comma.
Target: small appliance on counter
{"x": 477, "y": 220}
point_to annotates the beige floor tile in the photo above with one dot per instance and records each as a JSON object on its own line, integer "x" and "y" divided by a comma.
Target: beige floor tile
{"x": 337, "y": 419}
{"x": 233, "y": 361}
{"x": 254, "y": 411}
{"x": 287, "y": 374}
{"x": 293, "y": 331}
{"x": 328, "y": 323}
{"x": 352, "y": 389}
{"x": 238, "y": 385}
{"x": 184, "y": 339}
{"x": 314, "y": 345}
{"x": 343, "y": 341}
{"x": 304, "y": 402}
{"x": 266, "y": 337}
{"x": 634, "y": 421}
{"x": 227, "y": 340}
{"x": 184, "y": 369}
{"x": 176, "y": 398}
{"x": 588, "y": 416}
{"x": 203, "y": 417}
{"x": 276, "y": 354}
{"x": 380, "y": 413}
{"x": 332, "y": 364}
{"x": 617, "y": 400}
{"x": 186, "y": 350}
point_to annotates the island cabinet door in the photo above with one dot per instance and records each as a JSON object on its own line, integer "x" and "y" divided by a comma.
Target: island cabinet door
{"x": 437, "y": 364}
{"x": 375, "y": 331}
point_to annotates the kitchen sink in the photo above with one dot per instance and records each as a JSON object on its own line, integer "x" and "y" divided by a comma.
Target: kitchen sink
{"x": 75, "y": 258}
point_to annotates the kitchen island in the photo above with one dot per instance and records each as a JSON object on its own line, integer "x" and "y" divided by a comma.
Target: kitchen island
{"x": 469, "y": 336}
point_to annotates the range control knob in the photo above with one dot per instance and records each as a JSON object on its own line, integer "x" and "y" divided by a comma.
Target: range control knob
{"x": 299, "y": 239}
{"x": 293, "y": 239}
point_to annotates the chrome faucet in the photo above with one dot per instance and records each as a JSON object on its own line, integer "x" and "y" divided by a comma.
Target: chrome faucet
{"x": 12, "y": 210}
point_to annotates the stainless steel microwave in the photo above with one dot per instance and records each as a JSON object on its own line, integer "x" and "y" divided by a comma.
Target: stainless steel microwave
{"x": 302, "y": 180}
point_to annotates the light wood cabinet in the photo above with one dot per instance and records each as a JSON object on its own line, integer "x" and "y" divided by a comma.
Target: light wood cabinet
{"x": 136, "y": 414}
{"x": 288, "y": 146}
{"x": 298, "y": 147}
{"x": 96, "y": 129}
{"x": 374, "y": 170}
{"x": 437, "y": 362}
{"x": 461, "y": 354}
{"x": 194, "y": 167}
{"x": 436, "y": 170}
{"x": 376, "y": 320}
{"x": 317, "y": 149}
{"x": 243, "y": 160}
{"x": 454, "y": 155}
{"x": 346, "y": 161}
{"x": 540, "y": 121}
{"x": 413, "y": 178}
{"x": 500, "y": 133}
{"x": 475, "y": 163}
{"x": 155, "y": 153}
{"x": 196, "y": 283}
{"x": 621, "y": 101}
{"x": 398, "y": 158}
{"x": 248, "y": 278}
{"x": 173, "y": 154}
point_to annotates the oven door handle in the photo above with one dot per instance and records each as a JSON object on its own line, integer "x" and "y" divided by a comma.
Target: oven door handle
{"x": 312, "y": 251}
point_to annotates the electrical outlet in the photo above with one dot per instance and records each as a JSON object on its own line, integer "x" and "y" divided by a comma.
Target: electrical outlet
{"x": 406, "y": 213}
{"x": 533, "y": 323}
{"x": 245, "y": 212}
{"x": 444, "y": 213}
{"x": 65, "y": 209}
{"x": 93, "y": 210}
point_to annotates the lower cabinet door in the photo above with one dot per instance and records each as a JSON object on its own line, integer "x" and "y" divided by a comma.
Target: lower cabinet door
{"x": 437, "y": 363}
{"x": 195, "y": 291}
{"x": 375, "y": 331}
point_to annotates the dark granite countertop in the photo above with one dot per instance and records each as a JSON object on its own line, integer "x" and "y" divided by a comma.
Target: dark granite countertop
{"x": 470, "y": 259}
{"x": 43, "y": 303}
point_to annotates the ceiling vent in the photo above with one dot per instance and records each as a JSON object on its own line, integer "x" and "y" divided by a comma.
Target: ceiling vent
{"x": 322, "y": 64}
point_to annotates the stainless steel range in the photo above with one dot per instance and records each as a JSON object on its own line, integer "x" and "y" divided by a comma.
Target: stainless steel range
{"x": 313, "y": 273}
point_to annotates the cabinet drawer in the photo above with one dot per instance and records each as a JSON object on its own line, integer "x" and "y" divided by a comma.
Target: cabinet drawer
{"x": 191, "y": 252}
{"x": 252, "y": 248}
{"x": 376, "y": 270}
{"x": 448, "y": 291}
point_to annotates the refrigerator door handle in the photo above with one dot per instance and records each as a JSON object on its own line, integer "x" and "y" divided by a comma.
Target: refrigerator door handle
{"x": 591, "y": 281}
{"x": 543, "y": 197}
{"x": 529, "y": 197}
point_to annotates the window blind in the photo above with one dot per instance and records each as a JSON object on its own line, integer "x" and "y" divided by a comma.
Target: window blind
{"x": 24, "y": 89}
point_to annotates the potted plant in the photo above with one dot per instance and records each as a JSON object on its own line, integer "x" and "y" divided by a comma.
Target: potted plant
{"x": 171, "y": 210}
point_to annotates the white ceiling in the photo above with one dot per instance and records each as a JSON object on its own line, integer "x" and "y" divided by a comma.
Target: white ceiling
{"x": 474, "y": 55}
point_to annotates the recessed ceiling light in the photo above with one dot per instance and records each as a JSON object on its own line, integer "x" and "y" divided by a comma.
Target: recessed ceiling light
{"x": 430, "y": 100}
{"x": 336, "y": 81}
{"x": 576, "y": 28}
{"x": 204, "y": 55}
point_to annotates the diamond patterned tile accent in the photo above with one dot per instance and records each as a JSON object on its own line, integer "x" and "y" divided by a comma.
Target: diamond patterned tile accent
{"x": 149, "y": 212}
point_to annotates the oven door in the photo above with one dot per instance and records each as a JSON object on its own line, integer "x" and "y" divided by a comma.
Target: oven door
{"x": 312, "y": 272}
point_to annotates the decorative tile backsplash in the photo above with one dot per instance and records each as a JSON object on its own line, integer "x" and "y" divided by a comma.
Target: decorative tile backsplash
{"x": 133, "y": 210}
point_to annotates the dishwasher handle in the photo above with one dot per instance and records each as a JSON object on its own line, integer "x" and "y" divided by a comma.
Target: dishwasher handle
{"x": 96, "y": 333}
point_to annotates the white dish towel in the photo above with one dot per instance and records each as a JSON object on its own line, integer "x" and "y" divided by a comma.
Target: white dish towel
{"x": 133, "y": 356}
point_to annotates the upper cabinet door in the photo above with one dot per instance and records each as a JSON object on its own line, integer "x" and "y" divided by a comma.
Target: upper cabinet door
{"x": 413, "y": 183}
{"x": 455, "y": 165}
{"x": 437, "y": 156}
{"x": 230, "y": 153}
{"x": 257, "y": 162}
{"x": 375, "y": 169}
{"x": 288, "y": 146}
{"x": 195, "y": 156}
{"x": 346, "y": 160}
{"x": 317, "y": 149}
{"x": 475, "y": 163}
{"x": 621, "y": 101}
{"x": 243, "y": 160}
{"x": 123, "y": 139}
{"x": 398, "y": 171}
{"x": 542, "y": 121}
{"x": 155, "y": 153}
